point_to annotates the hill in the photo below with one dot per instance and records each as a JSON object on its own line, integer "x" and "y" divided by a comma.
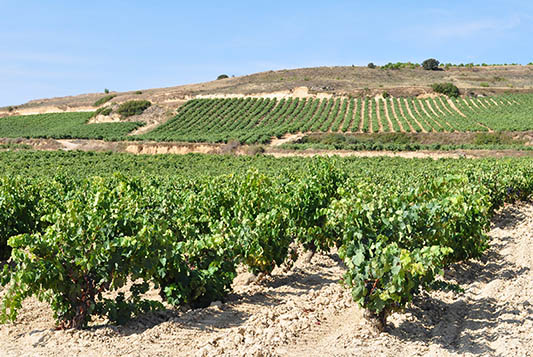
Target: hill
{"x": 254, "y": 109}
{"x": 347, "y": 80}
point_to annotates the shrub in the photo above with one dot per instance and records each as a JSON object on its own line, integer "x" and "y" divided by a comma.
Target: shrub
{"x": 448, "y": 89}
{"x": 371, "y": 65}
{"x": 106, "y": 91}
{"x": 222, "y": 76}
{"x": 133, "y": 107}
{"x": 495, "y": 139}
{"x": 104, "y": 100}
{"x": 484, "y": 84}
{"x": 102, "y": 111}
{"x": 10, "y": 108}
{"x": 255, "y": 150}
{"x": 139, "y": 92}
{"x": 430, "y": 64}
{"x": 386, "y": 95}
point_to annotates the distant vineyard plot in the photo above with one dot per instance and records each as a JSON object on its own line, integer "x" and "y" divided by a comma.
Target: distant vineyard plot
{"x": 257, "y": 120}
{"x": 62, "y": 126}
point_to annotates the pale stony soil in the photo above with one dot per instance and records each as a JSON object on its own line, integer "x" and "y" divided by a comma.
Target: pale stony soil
{"x": 303, "y": 311}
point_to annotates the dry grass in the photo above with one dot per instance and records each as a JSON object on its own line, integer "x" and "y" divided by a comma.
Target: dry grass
{"x": 333, "y": 80}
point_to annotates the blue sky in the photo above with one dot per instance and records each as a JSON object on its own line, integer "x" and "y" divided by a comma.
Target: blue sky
{"x": 55, "y": 48}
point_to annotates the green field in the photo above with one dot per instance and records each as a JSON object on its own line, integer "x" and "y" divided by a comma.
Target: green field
{"x": 62, "y": 126}
{"x": 257, "y": 120}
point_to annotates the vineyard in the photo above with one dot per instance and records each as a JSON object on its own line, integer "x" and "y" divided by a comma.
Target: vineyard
{"x": 62, "y": 126}
{"x": 72, "y": 238}
{"x": 257, "y": 120}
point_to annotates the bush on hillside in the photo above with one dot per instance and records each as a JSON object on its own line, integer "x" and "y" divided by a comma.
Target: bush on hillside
{"x": 133, "y": 107}
{"x": 371, "y": 65}
{"x": 104, "y": 99}
{"x": 431, "y": 64}
{"x": 102, "y": 111}
{"x": 222, "y": 76}
{"x": 448, "y": 89}
{"x": 106, "y": 91}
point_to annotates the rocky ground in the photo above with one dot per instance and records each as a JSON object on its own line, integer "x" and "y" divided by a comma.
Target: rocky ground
{"x": 303, "y": 311}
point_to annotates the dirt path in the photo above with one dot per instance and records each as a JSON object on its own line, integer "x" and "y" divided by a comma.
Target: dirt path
{"x": 380, "y": 119}
{"x": 303, "y": 311}
{"x": 443, "y": 104}
{"x": 158, "y": 148}
{"x": 470, "y": 103}
{"x": 286, "y": 139}
{"x": 344, "y": 118}
{"x": 403, "y": 115}
{"x": 412, "y": 116}
{"x": 435, "y": 121}
{"x": 481, "y": 103}
{"x": 387, "y": 116}
{"x": 353, "y": 120}
{"x": 394, "y": 115}
{"x": 362, "y": 115}
{"x": 454, "y": 107}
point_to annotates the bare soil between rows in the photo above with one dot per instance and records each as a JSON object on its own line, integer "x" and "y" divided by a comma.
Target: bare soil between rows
{"x": 304, "y": 311}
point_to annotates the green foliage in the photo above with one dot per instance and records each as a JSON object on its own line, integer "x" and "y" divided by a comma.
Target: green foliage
{"x": 133, "y": 107}
{"x": 93, "y": 243}
{"x": 400, "y": 65}
{"x": 258, "y": 120}
{"x": 106, "y": 91}
{"x": 430, "y": 64}
{"x": 139, "y": 92}
{"x": 18, "y": 210}
{"x": 62, "y": 126}
{"x": 448, "y": 89}
{"x": 104, "y": 100}
{"x": 494, "y": 139}
{"x": 397, "y": 224}
{"x": 371, "y": 65}
{"x": 102, "y": 111}
{"x": 222, "y": 76}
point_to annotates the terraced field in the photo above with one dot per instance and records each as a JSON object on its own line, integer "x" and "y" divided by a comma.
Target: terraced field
{"x": 257, "y": 120}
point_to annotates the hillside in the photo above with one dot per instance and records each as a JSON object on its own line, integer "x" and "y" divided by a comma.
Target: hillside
{"x": 348, "y": 80}
{"x": 357, "y": 104}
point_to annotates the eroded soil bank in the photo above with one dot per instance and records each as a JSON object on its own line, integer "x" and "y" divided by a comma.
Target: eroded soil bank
{"x": 154, "y": 148}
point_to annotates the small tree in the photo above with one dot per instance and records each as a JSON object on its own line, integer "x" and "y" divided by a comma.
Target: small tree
{"x": 371, "y": 65}
{"x": 106, "y": 91}
{"x": 222, "y": 76}
{"x": 430, "y": 64}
